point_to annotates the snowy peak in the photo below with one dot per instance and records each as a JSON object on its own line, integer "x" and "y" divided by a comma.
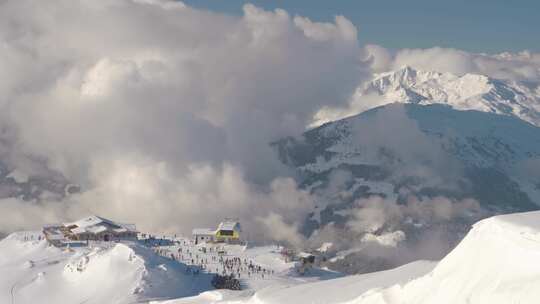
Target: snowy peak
{"x": 406, "y": 77}
{"x": 466, "y": 92}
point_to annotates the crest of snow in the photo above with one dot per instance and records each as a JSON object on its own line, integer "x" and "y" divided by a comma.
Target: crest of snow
{"x": 495, "y": 263}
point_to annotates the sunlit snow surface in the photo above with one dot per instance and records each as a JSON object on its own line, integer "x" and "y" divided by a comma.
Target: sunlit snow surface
{"x": 464, "y": 92}
{"x": 107, "y": 273}
{"x": 497, "y": 262}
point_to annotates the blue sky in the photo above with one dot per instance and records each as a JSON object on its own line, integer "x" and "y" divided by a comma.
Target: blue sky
{"x": 475, "y": 25}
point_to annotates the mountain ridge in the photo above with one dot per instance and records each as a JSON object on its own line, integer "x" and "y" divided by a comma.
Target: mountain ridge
{"x": 462, "y": 92}
{"x": 402, "y": 162}
{"x": 466, "y": 92}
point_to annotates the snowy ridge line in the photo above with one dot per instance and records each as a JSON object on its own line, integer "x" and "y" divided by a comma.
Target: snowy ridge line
{"x": 462, "y": 92}
{"x": 465, "y": 92}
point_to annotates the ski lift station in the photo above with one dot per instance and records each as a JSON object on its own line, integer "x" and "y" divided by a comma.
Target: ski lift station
{"x": 228, "y": 231}
{"x": 91, "y": 228}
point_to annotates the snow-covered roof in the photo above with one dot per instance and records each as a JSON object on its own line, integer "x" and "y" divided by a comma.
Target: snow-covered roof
{"x": 203, "y": 231}
{"x": 96, "y": 229}
{"x": 88, "y": 221}
{"x": 95, "y": 224}
{"x": 49, "y": 226}
{"x": 229, "y": 225}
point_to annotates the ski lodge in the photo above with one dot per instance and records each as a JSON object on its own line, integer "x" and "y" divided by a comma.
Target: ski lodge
{"x": 228, "y": 231}
{"x": 92, "y": 228}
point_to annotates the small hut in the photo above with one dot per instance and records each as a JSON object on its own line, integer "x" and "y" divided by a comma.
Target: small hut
{"x": 203, "y": 235}
{"x": 228, "y": 231}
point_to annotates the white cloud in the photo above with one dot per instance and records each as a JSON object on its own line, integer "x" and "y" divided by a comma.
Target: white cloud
{"x": 378, "y": 214}
{"x": 524, "y": 66}
{"x": 163, "y": 113}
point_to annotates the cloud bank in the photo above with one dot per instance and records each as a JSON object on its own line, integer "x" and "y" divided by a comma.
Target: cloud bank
{"x": 522, "y": 66}
{"x": 163, "y": 113}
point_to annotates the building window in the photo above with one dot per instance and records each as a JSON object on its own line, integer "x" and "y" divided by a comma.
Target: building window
{"x": 226, "y": 232}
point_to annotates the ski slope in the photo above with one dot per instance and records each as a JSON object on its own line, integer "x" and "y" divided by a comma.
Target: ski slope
{"x": 497, "y": 262}
{"x": 105, "y": 273}
{"x": 134, "y": 271}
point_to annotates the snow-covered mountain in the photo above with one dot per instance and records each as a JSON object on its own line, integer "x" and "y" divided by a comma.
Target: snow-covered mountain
{"x": 466, "y": 92}
{"x": 404, "y": 164}
{"x": 435, "y": 137}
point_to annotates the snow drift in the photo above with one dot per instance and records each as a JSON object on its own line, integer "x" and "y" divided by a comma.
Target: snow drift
{"x": 497, "y": 262}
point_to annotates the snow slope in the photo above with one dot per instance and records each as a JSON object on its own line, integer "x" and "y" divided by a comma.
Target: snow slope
{"x": 134, "y": 271}
{"x": 117, "y": 273}
{"x": 496, "y": 263}
{"x": 342, "y": 289}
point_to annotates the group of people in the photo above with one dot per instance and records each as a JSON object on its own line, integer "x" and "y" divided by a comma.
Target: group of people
{"x": 236, "y": 266}
{"x": 213, "y": 259}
